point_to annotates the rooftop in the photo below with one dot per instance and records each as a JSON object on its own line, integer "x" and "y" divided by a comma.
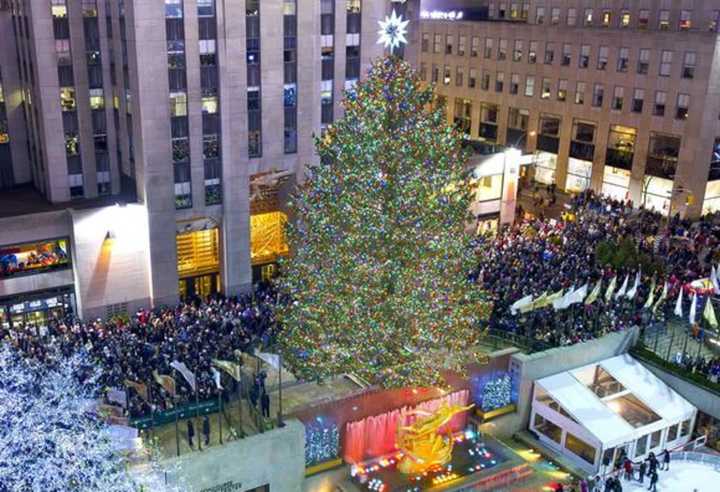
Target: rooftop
{"x": 25, "y": 200}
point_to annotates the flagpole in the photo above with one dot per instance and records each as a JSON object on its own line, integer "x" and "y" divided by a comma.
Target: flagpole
{"x": 240, "y": 396}
{"x": 197, "y": 406}
{"x": 220, "y": 413}
{"x": 279, "y": 416}
{"x": 177, "y": 416}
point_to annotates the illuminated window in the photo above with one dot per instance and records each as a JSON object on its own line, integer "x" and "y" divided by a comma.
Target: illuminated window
{"x": 58, "y": 8}
{"x": 555, "y": 16}
{"x": 67, "y": 99}
{"x": 664, "y": 20}
{"x": 685, "y": 20}
{"x": 606, "y": 18}
{"x": 689, "y": 62}
{"x": 97, "y": 99}
{"x": 618, "y": 98}
{"x": 588, "y": 17}
{"x": 198, "y": 252}
{"x": 625, "y": 19}
{"x": 602, "y": 58}
{"x": 267, "y": 237}
{"x": 562, "y": 90}
{"x": 178, "y": 104}
{"x": 353, "y": 6}
{"x": 546, "y": 89}
{"x": 530, "y": 85}
{"x": 643, "y": 19}
{"x": 210, "y": 104}
{"x": 683, "y": 103}
{"x": 38, "y": 257}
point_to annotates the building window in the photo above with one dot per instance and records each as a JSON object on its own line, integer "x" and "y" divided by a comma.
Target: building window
{"x": 446, "y": 75}
{"x": 714, "y": 21}
{"x": 660, "y": 102}
{"x": 584, "y": 59}
{"x": 618, "y": 98}
{"x": 638, "y": 100}
{"x": 664, "y": 20}
{"x": 462, "y": 41}
{"x": 580, "y": 88}
{"x": 459, "y": 76}
{"x": 485, "y": 83}
{"x": 67, "y": 99}
{"x": 606, "y": 18}
{"x": 688, "y": 71}
{"x": 449, "y": 42}
{"x": 532, "y": 52}
{"x": 666, "y": 63}
{"x": 643, "y": 61}
{"x": 518, "y": 51}
{"x": 562, "y": 90}
{"x": 437, "y": 43}
{"x": 598, "y": 95}
{"x": 488, "y": 52}
{"x": 472, "y": 78}
{"x": 549, "y": 53}
{"x": 545, "y": 89}
{"x": 434, "y": 74}
{"x": 555, "y": 16}
{"x": 502, "y": 50}
{"x": 425, "y": 43}
{"x": 530, "y": 85}
{"x": 623, "y": 59}
{"x": 474, "y": 46}
{"x": 625, "y": 19}
{"x": 685, "y": 20}
{"x": 514, "y": 84}
{"x": 566, "y": 55}
{"x": 602, "y": 58}
{"x": 643, "y": 19}
{"x": 499, "y": 81}
{"x": 683, "y": 103}
{"x": 540, "y": 15}
{"x": 423, "y": 71}
{"x": 572, "y": 16}
{"x": 588, "y": 17}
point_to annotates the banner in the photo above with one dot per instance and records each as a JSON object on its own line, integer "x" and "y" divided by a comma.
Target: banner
{"x": 678, "y": 305}
{"x": 272, "y": 359}
{"x": 693, "y": 309}
{"x": 611, "y": 289}
{"x": 216, "y": 377}
{"x": 139, "y": 388}
{"x": 651, "y": 296}
{"x": 187, "y": 373}
{"x": 595, "y": 293}
{"x": 663, "y": 296}
{"x": 521, "y": 303}
{"x": 709, "y": 313}
{"x": 167, "y": 382}
{"x": 232, "y": 368}
{"x": 623, "y": 288}
{"x": 631, "y": 293}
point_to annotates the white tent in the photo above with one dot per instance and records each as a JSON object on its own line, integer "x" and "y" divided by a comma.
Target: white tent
{"x": 595, "y": 413}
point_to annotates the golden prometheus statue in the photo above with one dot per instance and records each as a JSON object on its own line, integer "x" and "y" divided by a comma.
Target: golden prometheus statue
{"x": 421, "y": 443}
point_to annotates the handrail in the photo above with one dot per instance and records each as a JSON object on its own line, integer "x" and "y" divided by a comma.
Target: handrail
{"x": 695, "y": 457}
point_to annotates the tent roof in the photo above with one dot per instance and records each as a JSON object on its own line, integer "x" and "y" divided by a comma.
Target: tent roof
{"x": 570, "y": 391}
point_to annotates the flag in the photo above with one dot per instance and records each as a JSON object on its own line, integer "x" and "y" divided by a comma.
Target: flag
{"x": 117, "y": 396}
{"x": 595, "y": 293}
{"x": 623, "y": 288}
{"x": 631, "y": 293}
{"x": 140, "y": 388}
{"x": 272, "y": 359}
{"x": 651, "y": 296}
{"x": 187, "y": 373}
{"x": 548, "y": 300}
{"x": 611, "y": 289}
{"x": 693, "y": 308}
{"x": 678, "y": 304}
{"x": 232, "y": 368}
{"x": 579, "y": 295}
{"x": 520, "y": 303}
{"x": 714, "y": 280}
{"x": 562, "y": 301}
{"x": 662, "y": 298}
{"x": 709, "y": 313}
{"x": 166, "y": 382}
{"x": 216, "y": 377}
{"x": 537, "y": 303}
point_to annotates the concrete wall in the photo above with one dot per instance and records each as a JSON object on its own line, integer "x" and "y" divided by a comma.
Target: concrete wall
{"x": 111, "y": 270}
{"x": 703, "y": 399}
{"x": 276, "y": 458}
{"x": 553, "y": 361}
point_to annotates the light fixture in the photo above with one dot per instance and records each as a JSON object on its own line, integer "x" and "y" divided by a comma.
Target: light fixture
{"x": 110, "y": 235}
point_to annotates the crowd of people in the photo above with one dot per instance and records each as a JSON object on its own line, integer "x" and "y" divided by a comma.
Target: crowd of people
{"x": 706, "y": 366}
{"x": 194, "y": 333}
{"x": 538, "y": 255}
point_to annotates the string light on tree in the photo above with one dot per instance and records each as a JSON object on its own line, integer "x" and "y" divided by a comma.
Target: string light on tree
{"x": 392, "y": 31}
{"x": 380, "y": 256}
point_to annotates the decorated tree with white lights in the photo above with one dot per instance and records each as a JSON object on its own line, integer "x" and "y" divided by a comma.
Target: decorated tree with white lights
{"x": 378, "y": 274}
{"x": 52, "y": 438}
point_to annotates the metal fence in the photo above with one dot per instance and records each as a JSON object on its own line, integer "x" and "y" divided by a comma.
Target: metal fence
{"x": 707, "y": 459}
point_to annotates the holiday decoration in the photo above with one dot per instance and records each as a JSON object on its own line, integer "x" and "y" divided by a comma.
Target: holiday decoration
{"x": 422, "y": 445}
{"x": 380, "y": 256}
{"x": 52, "y": 438}
{"x": 392, "y": 31}
{"x": 322, "y": 443}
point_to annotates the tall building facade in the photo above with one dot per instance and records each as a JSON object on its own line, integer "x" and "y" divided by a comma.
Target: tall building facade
{"x": 161, "y": 137}
{"x": 618, "y": 96}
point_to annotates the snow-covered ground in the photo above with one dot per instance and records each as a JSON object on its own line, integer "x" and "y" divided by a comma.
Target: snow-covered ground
{"x": 683, "y": 477}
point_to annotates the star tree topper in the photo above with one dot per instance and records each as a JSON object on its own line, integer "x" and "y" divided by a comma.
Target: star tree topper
{"x": 392, "y": 31}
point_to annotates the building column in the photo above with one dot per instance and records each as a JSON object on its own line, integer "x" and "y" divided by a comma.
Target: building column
{"x": 563, "y": 155}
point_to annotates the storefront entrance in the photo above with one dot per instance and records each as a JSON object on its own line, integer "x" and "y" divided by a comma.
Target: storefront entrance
{"x": 202, "y": 286}
{"x": 36, "y": 308}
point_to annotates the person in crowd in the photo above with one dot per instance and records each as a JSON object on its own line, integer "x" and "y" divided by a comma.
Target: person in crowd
{"x": 628, "y": 467}
{"x": 653, "y": 481}
{"x": 206, "y": 430}
{"x": 666, "y": 460}
{"x": 190, "y": 433}
{"x": 265, "y": 404}
{"x": 641, "y": 471}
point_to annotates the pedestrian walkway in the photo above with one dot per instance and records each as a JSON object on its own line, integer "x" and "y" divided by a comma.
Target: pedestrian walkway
{"x": 682, "y": 477}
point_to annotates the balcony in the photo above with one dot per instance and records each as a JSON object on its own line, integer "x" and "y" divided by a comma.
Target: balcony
{"x": 619, "y": 158}
{"x": 661, "y": 166}
{"x": 582, "y": 150}
{"x": 548, "y": 143}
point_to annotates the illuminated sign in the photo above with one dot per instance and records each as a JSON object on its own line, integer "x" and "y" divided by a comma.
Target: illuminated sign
{"x": 451, "y": 15}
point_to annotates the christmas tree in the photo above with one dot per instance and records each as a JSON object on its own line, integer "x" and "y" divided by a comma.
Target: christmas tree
{"x": 380, "y": 256}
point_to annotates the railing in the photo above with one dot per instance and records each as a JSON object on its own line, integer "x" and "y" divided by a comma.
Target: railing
{"x": 646, "y": 355}
{"x": 548, "y": 143}
{"x": 582, "y": 150}
{"x": 619, "y": 158}
{"x": 497, "y": 338}
{"x": 695, "y": 457}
